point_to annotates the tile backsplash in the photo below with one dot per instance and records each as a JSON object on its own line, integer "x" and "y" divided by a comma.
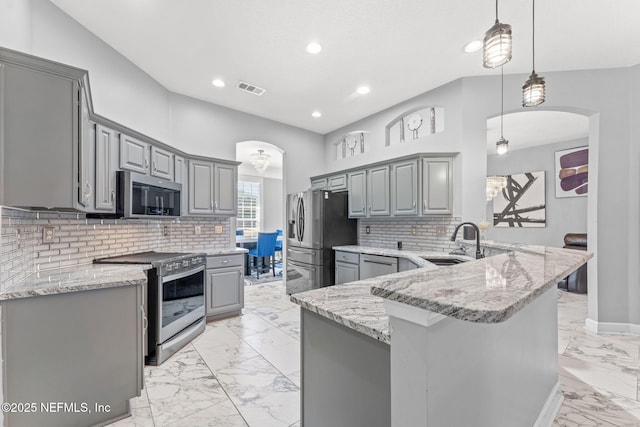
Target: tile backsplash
{"x": 78, "y": 240}
{"x": 431, "y": 233}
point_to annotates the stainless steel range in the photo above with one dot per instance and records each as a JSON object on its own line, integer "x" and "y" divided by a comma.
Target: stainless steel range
{"x": 175, "y": 299}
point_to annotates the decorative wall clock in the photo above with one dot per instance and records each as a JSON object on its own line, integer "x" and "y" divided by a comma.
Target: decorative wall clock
{"x": 413, "y": 123}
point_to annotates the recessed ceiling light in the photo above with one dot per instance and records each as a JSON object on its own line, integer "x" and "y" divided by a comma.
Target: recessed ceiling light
{"x": 363, "y": 90}
{"x": 218, "y": 83}
{"x": 316, "y": 114}
{"x": 314, "y": 48}
{"x": 473, "y": 46}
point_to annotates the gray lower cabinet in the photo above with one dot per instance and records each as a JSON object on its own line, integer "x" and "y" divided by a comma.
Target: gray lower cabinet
{"x": 377, "y": 265}
{"x": 134, "y": 154}
{"x": 347, "y": 267}
{"x": 224, "y": 292}
{"x": 106, "y": 155}
{"x": 80, "y": 348}
{"x": 437, "y": 186}
{"x": 404, "y": 188}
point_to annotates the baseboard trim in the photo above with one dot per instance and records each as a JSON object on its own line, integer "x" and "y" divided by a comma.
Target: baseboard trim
{"x": 612, "y": 327}
{"x": 550, "y": 408}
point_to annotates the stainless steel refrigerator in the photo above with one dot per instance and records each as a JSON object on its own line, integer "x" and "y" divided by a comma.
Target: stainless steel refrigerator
{"x": 317, "y": 220}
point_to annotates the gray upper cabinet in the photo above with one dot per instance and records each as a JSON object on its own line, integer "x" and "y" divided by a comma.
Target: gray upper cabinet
{"x": 319, "y": 184}
{"x": 134, "y": 154}
{"x": 437, "y": 185}
{"x": 162, "y": 163}
{"x": 226, "y": 189}
{"x": 201, "y": 187}
{"x": 181, "y": 176}
{"x": 106, "y": 155}
{"x": 378, "y": 191}
{"x": 404, "y": 187}
{"x": 43, "y": 110}
{"x": 357, "y": 194}
{"x": 86, "y": 154}
{"x": 337, "y": 183}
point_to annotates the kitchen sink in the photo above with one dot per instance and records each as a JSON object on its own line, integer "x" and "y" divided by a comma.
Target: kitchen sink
{"x": 444, "y": 261}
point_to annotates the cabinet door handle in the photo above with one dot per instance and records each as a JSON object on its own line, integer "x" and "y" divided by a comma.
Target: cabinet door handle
{"x": 212, "y": 205}
{"x": 424, "y": 205}
{"x": 414, "y": 204}
{"x": 369, "y": 209}
{"x": 363, "y": 209}
{"x": 216, "y": 205}
{"x": 113, "y": 195}
{"x": 146, "y": 163}
{"x": 155, "y": 166}
{"x": 88, "y": 191}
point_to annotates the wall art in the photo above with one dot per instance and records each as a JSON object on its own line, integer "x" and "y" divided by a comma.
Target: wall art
{"x": 415, "y": 124}
{"x": 522, "y": 202}
{"x": 572, "y": 172}
{"x": 352, "y": 144}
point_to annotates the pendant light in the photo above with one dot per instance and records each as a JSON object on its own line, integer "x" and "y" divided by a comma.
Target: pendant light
{"x": 533, "y": 89}
{"x": 502, "y": 145}
{"x": 496, "y": 49}
{"x": 260, "y": 161}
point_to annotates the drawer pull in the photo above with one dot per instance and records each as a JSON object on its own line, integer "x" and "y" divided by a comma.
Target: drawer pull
{"x": 224, "y": 261}
{"x": 378, "y": 262}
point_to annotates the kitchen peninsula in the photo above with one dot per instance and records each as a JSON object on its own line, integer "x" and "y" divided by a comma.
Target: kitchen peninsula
{"x": 470, "y": 344}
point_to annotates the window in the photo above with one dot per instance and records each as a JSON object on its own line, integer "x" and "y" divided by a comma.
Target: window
{"x": 248, "y": 219}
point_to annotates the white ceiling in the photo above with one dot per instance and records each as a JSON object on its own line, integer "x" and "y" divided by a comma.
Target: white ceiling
{"x": 399, "y": 48}
{"x": 529, "y": 128}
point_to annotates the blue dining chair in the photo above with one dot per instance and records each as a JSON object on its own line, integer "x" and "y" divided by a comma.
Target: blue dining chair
{"x": 265, "y": 248}
{"x": 279, "y": 243}
{"x": 239, "y": 232}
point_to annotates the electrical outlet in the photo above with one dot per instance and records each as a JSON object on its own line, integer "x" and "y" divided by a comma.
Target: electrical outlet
{"x": 48, "y": 234}
{"x": 217, "y": 229}
{"x": 414, "y": 230}
{"x": 367, "y": 230}
{"x": 441, "y": 230}
{"x": 165, "y": 230}
{"x": 197, "y": 229}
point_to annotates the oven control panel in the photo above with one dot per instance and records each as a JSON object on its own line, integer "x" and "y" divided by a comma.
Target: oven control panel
{"x": 188, "y": 262}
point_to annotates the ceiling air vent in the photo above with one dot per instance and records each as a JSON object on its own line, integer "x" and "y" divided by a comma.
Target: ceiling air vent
{"x": 248, "y": 87}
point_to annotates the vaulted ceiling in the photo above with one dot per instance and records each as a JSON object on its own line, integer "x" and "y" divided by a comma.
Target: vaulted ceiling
{"x": 398, "y": 48}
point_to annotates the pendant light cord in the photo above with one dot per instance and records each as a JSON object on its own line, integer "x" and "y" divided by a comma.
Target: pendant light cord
{"x": 496, "y": 11}
{"x": 533, "y": 35}
{"x": 501, "y": 99}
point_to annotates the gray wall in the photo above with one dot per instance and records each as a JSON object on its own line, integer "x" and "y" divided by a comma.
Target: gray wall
{"x": 612, "y": 102}
{"x": 273, "y": 204}
{"x": 124, "y": 93}
{"x": 564, "y": 215}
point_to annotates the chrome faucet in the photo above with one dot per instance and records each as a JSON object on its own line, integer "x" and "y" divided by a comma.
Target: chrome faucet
{"x": 479, "y": 254}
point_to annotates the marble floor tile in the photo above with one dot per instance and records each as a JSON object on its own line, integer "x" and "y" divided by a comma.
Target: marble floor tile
{"x": 181, "y": 385}
{"x": 279, "y": 348}
{"x": 262, "y": 394}
{"x": 245, "y": 370}
{"x": 223, "y": 414}
{"x": 140, "y": 417}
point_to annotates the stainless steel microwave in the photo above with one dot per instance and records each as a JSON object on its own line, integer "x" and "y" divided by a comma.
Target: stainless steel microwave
{"x": 144, "y": 196}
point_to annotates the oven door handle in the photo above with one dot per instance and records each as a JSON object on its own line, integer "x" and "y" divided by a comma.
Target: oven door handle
{"x": 183, "y": 274}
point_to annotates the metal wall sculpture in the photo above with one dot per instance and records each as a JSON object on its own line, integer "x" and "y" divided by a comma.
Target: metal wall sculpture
{"x": 522, "y": 202}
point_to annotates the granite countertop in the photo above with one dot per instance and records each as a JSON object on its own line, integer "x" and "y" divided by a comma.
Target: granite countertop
{"x": 79, "y": 278}
{"x": 226, "y": 251}
{"x": 488, "y": 290}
